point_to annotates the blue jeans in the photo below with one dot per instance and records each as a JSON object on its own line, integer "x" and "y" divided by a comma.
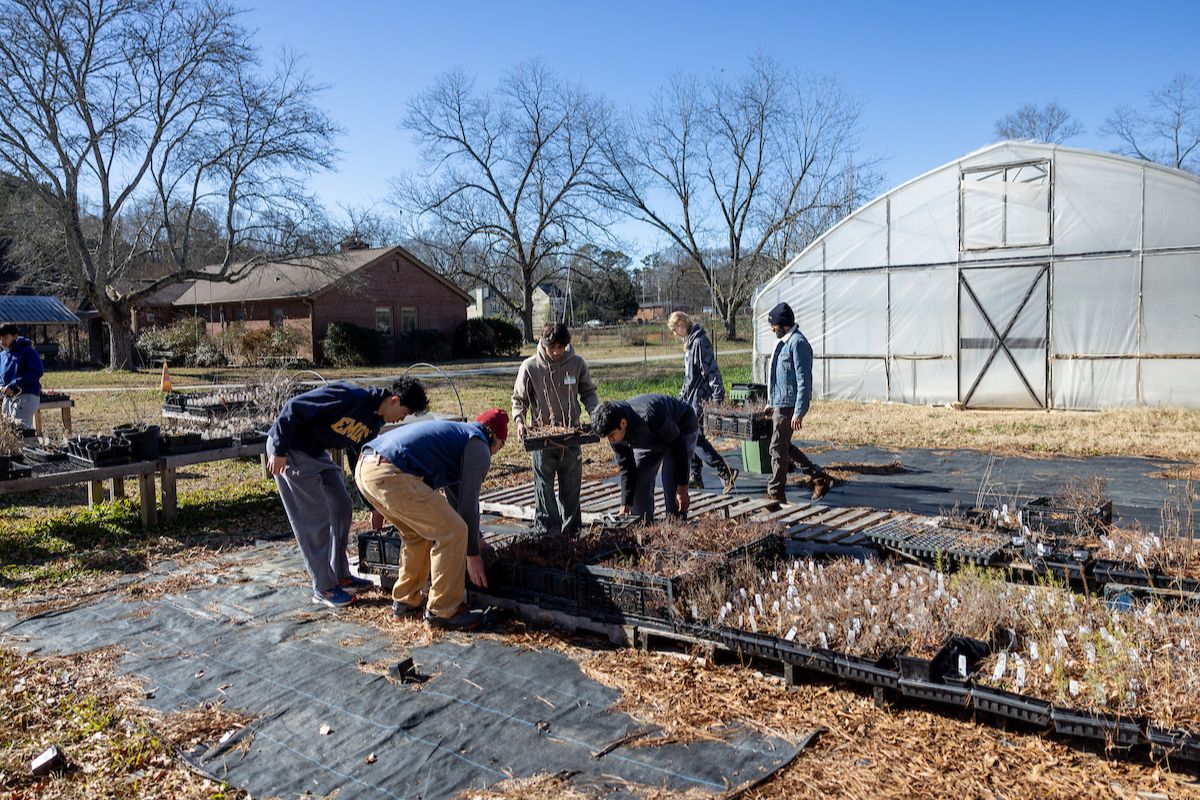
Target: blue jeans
{"x": 557, "y": 512}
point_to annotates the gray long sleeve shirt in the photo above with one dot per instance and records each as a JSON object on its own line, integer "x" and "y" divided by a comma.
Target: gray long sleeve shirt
{"x": 464, "y": 495}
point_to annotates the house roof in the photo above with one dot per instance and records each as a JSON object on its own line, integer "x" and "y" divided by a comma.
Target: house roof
{"x": 300, "y": 278}
{"x": 35, "y": 310}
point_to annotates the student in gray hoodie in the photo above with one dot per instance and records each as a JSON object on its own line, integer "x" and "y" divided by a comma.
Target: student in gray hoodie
{"x": 551, "y": 385}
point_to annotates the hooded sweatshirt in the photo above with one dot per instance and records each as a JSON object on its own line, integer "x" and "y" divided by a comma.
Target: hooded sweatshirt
{"x": 21, "y": 367}
{"x": 701, "y": 375}
{"x": 552, "y": 391}
{"x": 340, "y": 415}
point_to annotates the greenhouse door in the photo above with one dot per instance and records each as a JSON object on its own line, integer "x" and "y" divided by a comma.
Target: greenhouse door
{"x": 1002, "y": 338}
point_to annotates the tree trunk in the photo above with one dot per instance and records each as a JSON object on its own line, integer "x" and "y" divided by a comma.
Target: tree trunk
{"x": 730, "y": 319}
{"x": 527, "y": 313}
{"x": 120, "y": 337}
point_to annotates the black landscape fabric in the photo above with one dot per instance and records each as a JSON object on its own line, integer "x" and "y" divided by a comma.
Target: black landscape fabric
{"x": 487, "y": 711}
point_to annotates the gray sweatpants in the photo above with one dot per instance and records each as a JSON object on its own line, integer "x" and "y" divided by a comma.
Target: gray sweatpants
{"x": 23, "y": 408}
{"x": 319, "y": 509}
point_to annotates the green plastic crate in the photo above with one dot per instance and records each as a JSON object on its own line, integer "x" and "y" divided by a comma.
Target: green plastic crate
{"x": 756, "y": 456}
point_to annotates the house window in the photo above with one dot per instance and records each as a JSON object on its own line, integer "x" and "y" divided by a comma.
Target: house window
{"x": 1005, "y": 206}
{"x": 383, "y": 320}
{"x": 408, "y": 319}
{"x": 149, "y": 317}
{"x": 276, "y": 317}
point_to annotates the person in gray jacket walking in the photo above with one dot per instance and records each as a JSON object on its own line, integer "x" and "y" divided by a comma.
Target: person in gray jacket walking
{"x": 702, "y": 384}
{"x": 551, "y": 385}
{"x": 790, "y": 392}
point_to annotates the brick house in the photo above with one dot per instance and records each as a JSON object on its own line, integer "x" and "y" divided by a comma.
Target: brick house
{"x": 387, "y": 289}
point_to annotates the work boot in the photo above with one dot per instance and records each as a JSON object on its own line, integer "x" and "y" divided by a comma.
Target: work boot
{"x": 696, "y": 482}
{"x": 729, "y": 480}
{"x": 778, "y": 497}
{"x": 465, "y": 619}
{"x": 403, "y": 610}
{"x": 821, "y": 487}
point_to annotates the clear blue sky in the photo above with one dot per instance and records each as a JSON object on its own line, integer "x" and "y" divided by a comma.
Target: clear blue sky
{"x": 934, "y": 77}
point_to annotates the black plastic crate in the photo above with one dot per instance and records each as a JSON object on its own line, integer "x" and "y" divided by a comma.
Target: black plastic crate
{"x": 1010, "y": 705}
{"x": 180, "y": 443}
{"x": 250, "y": 437}
{"x": 379, "y": 551}
{"x": 217, "y": 443}
{"x": 1045, "y": 514}
{"x": 1105, "y": 571}
{"x": 99, "y": 451}
{"x": 1118, "y": 731}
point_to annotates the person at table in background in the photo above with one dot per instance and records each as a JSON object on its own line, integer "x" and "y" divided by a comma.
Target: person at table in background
{"x": 790, "y": 393}
{"x": 645, "y": 432}
{"x": 551, "y": 385}
{"x": 400, "y": 473}
{"x": 339, "y": 416}
{"x": 702, "y": 384}
{"x": 20, "y": 376}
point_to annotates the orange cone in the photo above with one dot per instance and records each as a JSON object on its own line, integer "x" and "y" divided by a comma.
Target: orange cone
{"x": 165, "y": 385}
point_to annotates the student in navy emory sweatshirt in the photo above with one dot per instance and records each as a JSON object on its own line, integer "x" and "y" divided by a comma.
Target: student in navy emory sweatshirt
{"x": 313, "y": 488}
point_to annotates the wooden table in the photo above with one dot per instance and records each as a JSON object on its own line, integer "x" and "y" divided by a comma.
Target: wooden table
{"x": 64, "y": 405}
{"x": 95, "y": 477}
{"x": 167, "y": 466}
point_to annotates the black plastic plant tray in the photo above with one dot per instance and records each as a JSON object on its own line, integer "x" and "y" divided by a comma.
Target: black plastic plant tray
{"x": 1120, "y": 731}
{"x": 250, "y": 437}
{"x": 1070, "y": 570}
{"x": 572, "y": 439}
{"x": 44, "y": 455}
{"x": 769, "y": 547}
{"x": 1105, "y": 571}
{"x": 1175, "y": 744}
{"x": 1010, "y": 705}
{"x": 98, "y": 451}
{"x": 545, "y": 586}
{"x": 866, "y": 671}
{"x": 895, "y": 531}
{"x": 606, "y": 593}
{"x": 1043, "y": 514}
{"x": 217, "y": 443}
{"x": 930, "y": 545}
{"x": 915, "y": 668}
{"x": 14, "y": 473}
{"x": 752, "y": 427}
{"x": 943, "y": 694}
{"x": 755, "y": 645}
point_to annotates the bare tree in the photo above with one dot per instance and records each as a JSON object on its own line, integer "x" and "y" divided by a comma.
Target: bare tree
{"x": 1168, "y": 131}
{"x": 511, "y": 181}
{"x": 165, "y": 151}
{"x": 731, "y": 169}
{"x": 1049, "y": 123}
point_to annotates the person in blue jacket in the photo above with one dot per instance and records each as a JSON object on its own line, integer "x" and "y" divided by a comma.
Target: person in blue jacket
{"x": 790, "y": 393}
{"x": 20, "y": 376}
{"x": 647, "y": 431}
{"x": 400, "y": 474}
{"x": 313, "y": 488}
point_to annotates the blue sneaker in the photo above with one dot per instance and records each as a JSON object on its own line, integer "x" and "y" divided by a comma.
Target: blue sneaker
{"x": 355, "y": 584}
{"x": 334, "y": 598}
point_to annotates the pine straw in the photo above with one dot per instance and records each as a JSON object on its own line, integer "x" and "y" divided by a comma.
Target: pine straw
{"x": 116, "y": 747}
{"x": 846, "y": 470}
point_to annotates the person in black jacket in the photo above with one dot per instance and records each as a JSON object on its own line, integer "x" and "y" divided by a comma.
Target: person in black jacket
{"x": 702, "y": 384}
{"x": 313, "y": 488}
{"x": 645, "y": 432}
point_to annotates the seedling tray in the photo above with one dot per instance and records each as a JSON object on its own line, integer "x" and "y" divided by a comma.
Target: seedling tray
{"x": 218, "y": 443}
{"x": 943, "y": 694}
{"x": 607, "y": 593}
{"x": 1118, "y": 572}
{"x": 180, "y": 443}
{"x": 1175, "y": 744}
{"x": 1010, "y": 705}
{"x": 250, "y": 437}
{"x": 13, "y": 473}
{"x": 1119, "y": 731}
{"x": 547, "y": 587}
{"x": 866, "y": 671}
{"x": 99, "y": 451}
{"x": 574, "y": 438}
{"x": 44, "y": 455}
{"x": 1047, "y": 515}
{"x": 750, "y": 426}
{"x": 379, "y": 551}
{"x": 930, "y": 543}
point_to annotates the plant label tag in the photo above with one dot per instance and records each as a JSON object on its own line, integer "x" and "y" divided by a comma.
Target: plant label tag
{"x": 790, "y": 635}
{"x": 962, "y": 666}
{"x": 569, "y": 380}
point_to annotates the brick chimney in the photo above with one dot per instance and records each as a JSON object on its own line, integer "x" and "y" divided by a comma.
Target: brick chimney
{"x": 352, "y": 242}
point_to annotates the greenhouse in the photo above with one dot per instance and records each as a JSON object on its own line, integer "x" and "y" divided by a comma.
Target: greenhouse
{"x": 1023, "y": 275}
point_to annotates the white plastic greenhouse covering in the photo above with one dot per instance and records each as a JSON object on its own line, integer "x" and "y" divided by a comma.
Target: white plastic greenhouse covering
{"x": 1023, "y": 275}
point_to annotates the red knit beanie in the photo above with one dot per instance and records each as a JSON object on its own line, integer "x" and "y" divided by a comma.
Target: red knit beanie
{"x": 497, "y": 421}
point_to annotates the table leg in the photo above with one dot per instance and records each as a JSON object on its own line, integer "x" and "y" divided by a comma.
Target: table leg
{"x": 66, "y": 414}
{"x": 95, "y": 493}
{"x": 170, "y": 500}
{"x": 118, "y": 488}
{"x": 262, "y": 459}
{"x": 37, "y": 423}
{"x": 147, "y": 499}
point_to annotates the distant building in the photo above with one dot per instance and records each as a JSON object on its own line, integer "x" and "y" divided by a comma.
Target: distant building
{"x": 387, "y": 289}
{"x": 549, "y": 304}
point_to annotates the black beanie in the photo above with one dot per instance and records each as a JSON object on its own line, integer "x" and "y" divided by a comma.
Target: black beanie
{"x": 781, "y": 315}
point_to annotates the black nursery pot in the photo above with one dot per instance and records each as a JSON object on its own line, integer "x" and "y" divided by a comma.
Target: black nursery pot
{"x": 143, "y": 441}
{"x": 5, "y": 463}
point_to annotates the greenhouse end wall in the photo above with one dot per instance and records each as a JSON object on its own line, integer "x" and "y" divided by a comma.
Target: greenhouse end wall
{"x": 1021, "y": 276}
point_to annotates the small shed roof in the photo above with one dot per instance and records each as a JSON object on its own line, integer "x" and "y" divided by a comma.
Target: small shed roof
{"x": 35, "y": 310}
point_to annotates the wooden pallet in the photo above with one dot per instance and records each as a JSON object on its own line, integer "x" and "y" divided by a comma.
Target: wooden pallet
{"x": 598, "y": 499}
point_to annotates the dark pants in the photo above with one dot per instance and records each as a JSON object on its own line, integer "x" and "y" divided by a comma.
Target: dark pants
{"x": 706, "y": 453}
{"x": 648, "y": 463}
{"x": 557, "y": 512}
{"x": 783, "y": 452}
